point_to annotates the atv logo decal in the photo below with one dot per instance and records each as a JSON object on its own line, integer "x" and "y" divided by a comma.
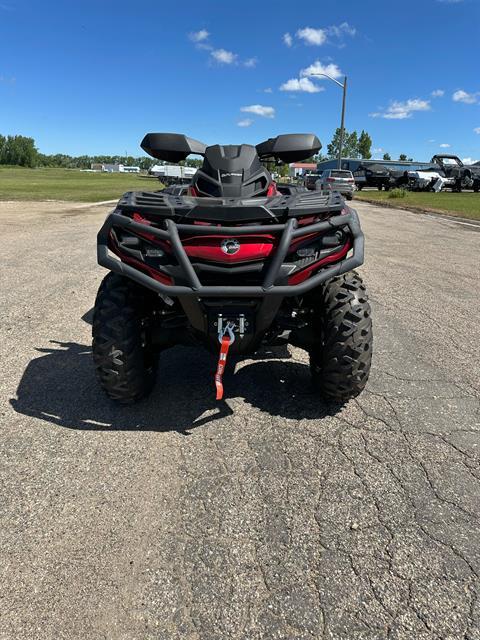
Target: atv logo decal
{"x": 229, "y": 175}
{"x": 230, "y": 246}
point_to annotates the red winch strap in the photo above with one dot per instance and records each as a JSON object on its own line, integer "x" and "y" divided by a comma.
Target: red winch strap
{"x": 222, "y": 361}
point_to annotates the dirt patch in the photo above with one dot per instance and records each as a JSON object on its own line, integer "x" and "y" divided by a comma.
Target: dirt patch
{"x": 20, "y": 213}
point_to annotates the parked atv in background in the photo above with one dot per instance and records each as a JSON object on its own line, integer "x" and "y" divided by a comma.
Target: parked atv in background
{"x": 444, "y": 171}
{"x": 464, "y": 176}
{"x": 232, "y": 266}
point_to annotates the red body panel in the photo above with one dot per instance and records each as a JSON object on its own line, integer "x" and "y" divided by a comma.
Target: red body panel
{"x": 210, "y": 248}
{"x": 252, "y": 248}
{"x": 302, "y": 275}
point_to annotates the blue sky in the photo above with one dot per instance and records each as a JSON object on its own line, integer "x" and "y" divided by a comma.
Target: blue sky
{"x": 91, "y": 77}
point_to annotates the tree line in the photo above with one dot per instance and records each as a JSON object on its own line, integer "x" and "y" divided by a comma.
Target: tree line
{"x": 18, "y": 150}
{"x": 355, "y": 146}
{"x": 21, "y": 150}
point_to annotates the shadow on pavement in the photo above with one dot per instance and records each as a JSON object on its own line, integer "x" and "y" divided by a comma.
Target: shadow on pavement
{"x": 60, "y": 387}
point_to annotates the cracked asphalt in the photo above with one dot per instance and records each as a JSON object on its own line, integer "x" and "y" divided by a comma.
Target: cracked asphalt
{"x": 268, "y": 516}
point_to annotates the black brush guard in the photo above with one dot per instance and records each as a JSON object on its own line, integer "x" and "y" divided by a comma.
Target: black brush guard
{"x": 177, "y": 214}
{"x": 288, "y": 231}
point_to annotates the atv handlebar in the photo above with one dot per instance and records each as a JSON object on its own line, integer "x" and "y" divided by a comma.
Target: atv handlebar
{"x": 289, "y": 231}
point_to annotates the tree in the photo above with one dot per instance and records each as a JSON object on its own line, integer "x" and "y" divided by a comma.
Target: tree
{"x": 350, "y": 145}
{"x": 281, "y": 170}
{"x": 193, "y": 162}
{"x": 402, "y": 157}
{"x": 365, "y": 145}
{"x": 145, "y": 163}
{"x": 18, "y": 150}
{"x": 386, "y": 156}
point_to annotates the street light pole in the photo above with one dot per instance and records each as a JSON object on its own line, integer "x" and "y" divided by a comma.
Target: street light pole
{"x": 342, "y": 123}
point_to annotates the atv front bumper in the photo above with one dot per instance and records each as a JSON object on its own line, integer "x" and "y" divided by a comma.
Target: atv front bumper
{"x": 287, "y": 233}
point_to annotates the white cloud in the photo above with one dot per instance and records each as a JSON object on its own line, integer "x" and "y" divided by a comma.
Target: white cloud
{"x": 268, "y": 90}
{"x": 401, "y": 110}
{"x": 259, "y": 110}
{"x": 469, "y": 160}
{"x": 222, "y": 56}
{"x": 438, "y": 93}
{"x": 477, "y": 130}
{"x": 301, "y": 84}
{"x": 445, "y": 145}
{"x": 287, "y": 39}
{"x": 340, "y": 30}
{"x": 245, "y": 123}
{"x": 330, "y": 69}
{"x": 463, "y": 96}
{"x": 377, "y": 150}
{"x": 199, "y": 36}
{"x": 312, "y": 36}
{"x": 317, "y": 37}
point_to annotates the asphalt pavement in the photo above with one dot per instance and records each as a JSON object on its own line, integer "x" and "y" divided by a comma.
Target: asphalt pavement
{"x": 268, "y": 516}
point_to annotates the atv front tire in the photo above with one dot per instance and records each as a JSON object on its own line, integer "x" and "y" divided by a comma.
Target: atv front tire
{"x": 124, "y": 360}
{"x": 340, "y": 364}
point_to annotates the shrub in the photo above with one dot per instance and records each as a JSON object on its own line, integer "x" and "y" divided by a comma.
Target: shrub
{"x": 397, "y": 193}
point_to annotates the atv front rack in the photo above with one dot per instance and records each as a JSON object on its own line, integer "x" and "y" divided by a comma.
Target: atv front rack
{"x": 224, "y": 210}
{"x": 287, "y": 231}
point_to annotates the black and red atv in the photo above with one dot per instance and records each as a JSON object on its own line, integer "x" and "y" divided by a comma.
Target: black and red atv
{"x": 236, "y": 264}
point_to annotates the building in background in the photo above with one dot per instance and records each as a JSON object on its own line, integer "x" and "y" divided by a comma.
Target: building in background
{"x": 298, "y": 169}
{"x": 353, "y": 164}
{"x": 114, "y": 168}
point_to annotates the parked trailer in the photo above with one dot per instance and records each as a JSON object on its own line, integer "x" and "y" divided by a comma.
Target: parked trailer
{"x": 173, "y": 173}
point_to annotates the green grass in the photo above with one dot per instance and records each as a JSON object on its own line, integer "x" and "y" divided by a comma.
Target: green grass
{"x": 17, "y": 183}
{"x": 465, "y": 205}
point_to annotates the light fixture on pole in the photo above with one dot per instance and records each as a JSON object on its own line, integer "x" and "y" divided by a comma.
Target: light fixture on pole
{"x": 342, "y": 123}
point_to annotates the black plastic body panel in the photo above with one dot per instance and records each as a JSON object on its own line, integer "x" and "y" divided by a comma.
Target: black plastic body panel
{"x": 289, "y": 147}
{"x": 231, "y": 171}
{"x": 171, "y": 147}
{"x": 230, "y": 210}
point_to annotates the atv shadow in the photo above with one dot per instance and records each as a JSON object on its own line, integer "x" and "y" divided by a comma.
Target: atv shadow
{"x": 60, "y": 387}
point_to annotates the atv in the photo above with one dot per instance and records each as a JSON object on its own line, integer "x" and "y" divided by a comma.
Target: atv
{"x": 463, "y": 176}
{"x": 234, "y": 265}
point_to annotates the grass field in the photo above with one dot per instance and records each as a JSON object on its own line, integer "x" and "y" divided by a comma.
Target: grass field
{"x": 466, "y": 205}
{"x": 17, "y": 183}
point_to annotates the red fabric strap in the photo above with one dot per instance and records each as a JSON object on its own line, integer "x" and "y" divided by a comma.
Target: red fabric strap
{"x": 222, "y": 361}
